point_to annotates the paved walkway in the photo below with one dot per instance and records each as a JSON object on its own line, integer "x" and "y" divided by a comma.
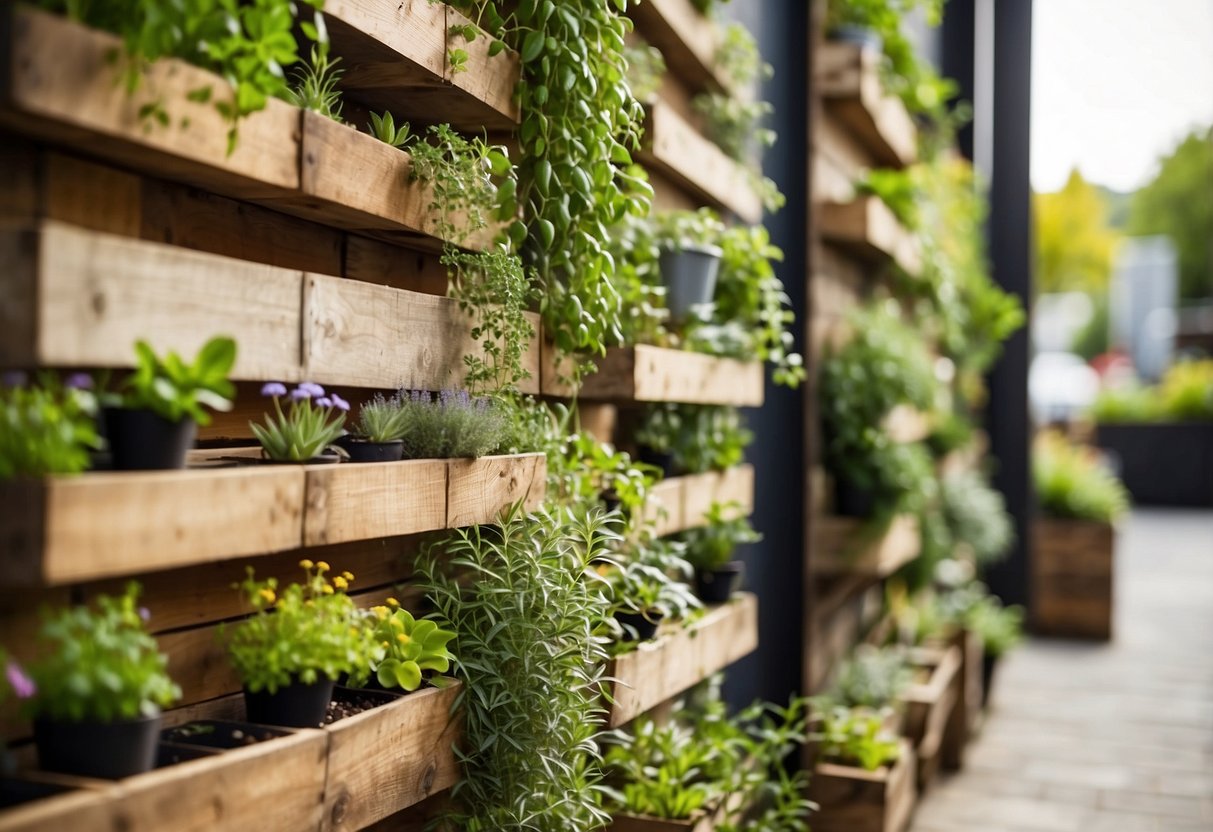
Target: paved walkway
{"x": 1111, "y": 738}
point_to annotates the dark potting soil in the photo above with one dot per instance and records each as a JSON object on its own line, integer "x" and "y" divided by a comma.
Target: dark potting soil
{"x": 351, "y": 703}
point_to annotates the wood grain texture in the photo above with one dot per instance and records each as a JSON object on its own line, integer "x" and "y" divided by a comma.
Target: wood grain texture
{"x": 663, "y": 507}
{"x": 700, "y": 491}
{"x": 82, "y": 808}
{"x": 63, "y": 87}
{"x": 854, "y": 800}
{"x": 686, "y": 38}
{"x": 389, "y": 758}
{"x": 693, "y": 161}
{"x": 380, "y": 499}
{"x": 487, "y": 79}
{"x": 659, "y": 670}
{"x": 845, "y": 545}
{"x": 866, "y": 227}
{"x": 479, "y": 490}
{"x": 377, "y": 336}
{"x": 848, "y": 79}
{"x": 1073, "y": 578}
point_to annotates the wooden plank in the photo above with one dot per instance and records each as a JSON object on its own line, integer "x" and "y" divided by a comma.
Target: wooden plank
{"x": 848, "y": 78}
{"x": 686, "y": 38}
{"x": 479, "y": 490}
{"x": 1073, "y": 578}
{"x": 962, "y": 726}
{"x": 851, "y": 799}
{"x": 358, "y": 502}
{"x": 700, "y": 491}
{"x": 866, "y": 227}
{"x": 389, "y": 758}
{"x": 376, "y": 336}
{"x": 659, "y": 670}
{"x": 676, "y": 148}
{"x": 656, "y": 374}
{"x": 929, "y": 706}
{"x": 82, "y": 808}
{"x": 394, "y": 53}
{"x": 663, "y": 506}
{"x": 62, "y": 86}
{"x": 106, "y": 524}
{"x": 845, "y": 545}
{"x": 375, "y": 261}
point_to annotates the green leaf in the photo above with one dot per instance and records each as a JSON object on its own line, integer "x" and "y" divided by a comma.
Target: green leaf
{"x": 532, "y": 45}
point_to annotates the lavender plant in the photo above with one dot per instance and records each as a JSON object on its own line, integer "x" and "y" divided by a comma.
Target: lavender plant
{"x": 451, "y": 424}
{"x": 311, "y": 422}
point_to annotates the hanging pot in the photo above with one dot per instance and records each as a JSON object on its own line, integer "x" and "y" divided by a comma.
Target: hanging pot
{"x": 90, "y": 748}
{"x": 689, "y": 275}
{"x": 141, "y": 440}
{"x": 858, "y": 35}
{"x": 716, "y": 586}
{"x": 295, "y": 706}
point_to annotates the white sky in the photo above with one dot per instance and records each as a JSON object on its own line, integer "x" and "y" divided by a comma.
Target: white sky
{"x": 1116, "y": 84}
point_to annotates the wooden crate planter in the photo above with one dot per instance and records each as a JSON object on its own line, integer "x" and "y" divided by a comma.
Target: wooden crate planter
{"x": 389, "y": 758}
{"x": 962, "y": 726}
{"x": 867, "y": 228}
{"x": 680, "y": 503}
{"x": 848, "y": 79}
{"x": 656, "y": 374}
{"x": 687, "y": 39}
{"x": 675, "y": 148}
{"x": 77, "y": 808}
{"x": 929, "y": 705}
{"x": 849, "y": 546}
{"x": 852, "y": 799}
{"x": 1073, "y": 576}
{"x": 663, "y": 506}
{"x": 657, "y": 671}
{"x": 479, "y": 490}
{"x": 359, "y": 502}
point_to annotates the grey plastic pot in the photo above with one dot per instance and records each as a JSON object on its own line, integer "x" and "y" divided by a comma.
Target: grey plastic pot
{"x": 689, "y": 275}
{"x": 858, "y": 35}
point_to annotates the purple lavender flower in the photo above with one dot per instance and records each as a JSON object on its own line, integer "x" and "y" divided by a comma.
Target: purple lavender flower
{"x": 340, "y": 403}
{"x": 145, "y": 615}
{"x": 311, "y": 387}
{"x": 79, "y": 381}
{"x": 14, "y": 378}
{"x": 273, "y": 388}
{"x": 299, "y": 394}
{"x": 23, "y": 686}
{"x": 323, "y": 401}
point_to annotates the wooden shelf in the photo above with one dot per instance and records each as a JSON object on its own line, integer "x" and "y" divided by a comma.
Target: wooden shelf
{"x": 675, "y": 148}
{"x": 76, "y": 298}
{"x": 849, "y": 546}
{"x": 867, "y": 228}
{"x": 680, "y": 503}
{"x": 929, "y": 706}
{"x": 852, "y": 799}
{"x": 657, "y": 671}
{"x": 100, "y": 525}
{"x": 394, "y": 57}
{"x": 343, "y": 777}
{"x": 687, "y": 39}
{"x": 848, "y": 77}
{"x": 655, "y": 374}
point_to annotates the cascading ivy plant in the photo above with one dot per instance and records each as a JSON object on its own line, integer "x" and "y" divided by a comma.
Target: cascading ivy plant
{"x": 526, "y": 604}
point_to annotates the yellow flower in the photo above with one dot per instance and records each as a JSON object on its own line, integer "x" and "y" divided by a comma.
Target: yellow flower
{"x": 402, "y": 638}
{"x": 386, "y": 645}
{"x": 268, "y": 595}
{"x": 328, "y": 590}
{"x": 397, "y": 623}
{"x": 306, "y": 564}
{"x": 321, "y": 566}
{"x": 392, "y": 602}
{"x": 341, "y": 583}
{"x": 353, "y": 631}
{"x": 380, "y": 612}
{"x": 349, "y": 576}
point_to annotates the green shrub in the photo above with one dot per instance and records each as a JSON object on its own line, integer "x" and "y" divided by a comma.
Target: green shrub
{"x": 977, "y": 516}
{"x": 1071, "y": 482}
{"x": 47, "y": 428}
{"x": 452, "y": 424}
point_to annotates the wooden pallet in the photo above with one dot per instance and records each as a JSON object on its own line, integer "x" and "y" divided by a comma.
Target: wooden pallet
{"x": 848, "y": 79}
{"x": 867, "y": 228}
{"x": 852, "y": 799}
{"x": 849, "y": 546}
{"x": 680, "y": 503}
{"x": 1073, "y": 578}
{"x": 688, "y": 40}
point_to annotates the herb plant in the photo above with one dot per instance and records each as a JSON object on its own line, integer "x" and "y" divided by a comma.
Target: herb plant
{"x": 856, "y": 736}
{"x": 174, "y": 390}
{"x": 96, "y": 664}
{"x": 300, "y": 633}
{"x": 410, "y": 647}
{"x": 316, "y": 81}
{"x": 701, "y": 437}
{"x": 382, "y": 420}
{"x": 872, "y": 677}
{"x": 451, "y": 424}
{"x": 1071, "y": 482}
{"x": 311, "y": 422}
{"x": 46, "y": 428}
{"x": 711, "y": 546}
{"x": 647, "y": 590}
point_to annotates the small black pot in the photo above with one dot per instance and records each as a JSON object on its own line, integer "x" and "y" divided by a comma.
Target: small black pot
{"x": 853, "y": 501}
{"x": 638, "y": 628}
{"x": 858, "y": 35}
{"x": 988, "y": 664}
{"x": 362, "y": 450}
{"x": 295, "y": 706}
{"x": 109, "y": 750}
{"x": 141, "y": 440}
{"x": 659, "y": 459}
{"x": 718, "y": 585}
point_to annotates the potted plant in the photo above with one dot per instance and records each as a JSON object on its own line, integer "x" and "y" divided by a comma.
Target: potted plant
{"x": 96, "y": 691}
{"x": 655, "y": 438}
{"x": 453, "y": 424}
{"x": 710, "y": 551}
{"x": 378, "y": 436}
{"x": 864, "y": 777}
{"x": 409, "y": 649}
{"x": 689, "y": 260}
{"x": 298, "y": 641}
{"x": 47, "y": 428}
{"x": 303, "y": 432}
{"x": 643, "y": 595}
{"x": 693, "y": 439}
{"x": 152, "y": 420}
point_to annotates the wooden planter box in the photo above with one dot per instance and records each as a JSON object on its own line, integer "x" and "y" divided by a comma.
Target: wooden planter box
{"x": 848, "y": 78}
{"x": 680, "y": 503}
{"x": 849, "y": 546}
{"x": 657, "y": 671}
{"x": 1164, "y": 464}
{"x": 967, "y": 713}
{"x": 852, "y": 799}
{"x": 929, "y": 705}
{"x": 866, "y": 227}
{"x": 1073, "y": 575}
{"x": 688, "y": 40}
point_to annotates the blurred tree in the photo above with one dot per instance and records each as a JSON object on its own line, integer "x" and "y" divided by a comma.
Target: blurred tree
{"x": 1074, "y": 243}
{"x": 1179, "y": 203}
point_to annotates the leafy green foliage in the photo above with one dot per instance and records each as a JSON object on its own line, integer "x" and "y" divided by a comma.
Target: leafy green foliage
{"x": 382, "y": 420}
{"x": 1072, "y": 482}
{"x": 701, "y": 437}
{"x": 311, "y": 422}
{"x": 872, "y": 677}
{"x": 384, "y": 128}
{"x": 315, "y": 85}
{"x": 174, "y": 390}
{"x": 298, "y": 633}
{"x": 1075, "y": 243}
{"x": 977, "y": 516}
{"x": 1000, "y": 628}
{"x": 646, "y": 67}
{"x": 644, "y": 586}
{"x": 856, "y": 736}
{"x": 46, "y": 428}
{"x": 526, "y": 603}
{"x": 711, "y": 546}
{"x": 410, "y": 647}
{"x": 1185, "y": 394}
{"x": 449, "y": 425}
{"x": 99, "y": 664}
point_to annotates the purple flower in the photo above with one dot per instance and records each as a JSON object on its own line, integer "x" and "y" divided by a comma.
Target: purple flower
{"x": 21, "y": 684}
{"x": 341, "y": 404}
{"x": 14, "y": 378}
{"x": 323, "y": 401}
{"x": 299, "y": 394}
{"x": 145, "y": 615}
{"x": 273, "y": 388}
{"x": 79, "y": 381}
{"x": 311, "y": 387}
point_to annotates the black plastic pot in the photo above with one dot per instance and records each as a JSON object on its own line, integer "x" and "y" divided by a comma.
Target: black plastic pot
{"x": 140, "y": 440}
{"x": 109, "y": 750}
{"x": 1165, "y": 464}
{"x": 295, "y": 706}
{"x": 988, "y": 664}
{"x": 716, "y": 586}
{"x": 689, "y": 275}
{"x": 659, "y": 459}
{"x": 858, "y": 35}
{"x": 852, "y": 501}
{"x": 362, "y": 450}
{"x": 637, "y": 627}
